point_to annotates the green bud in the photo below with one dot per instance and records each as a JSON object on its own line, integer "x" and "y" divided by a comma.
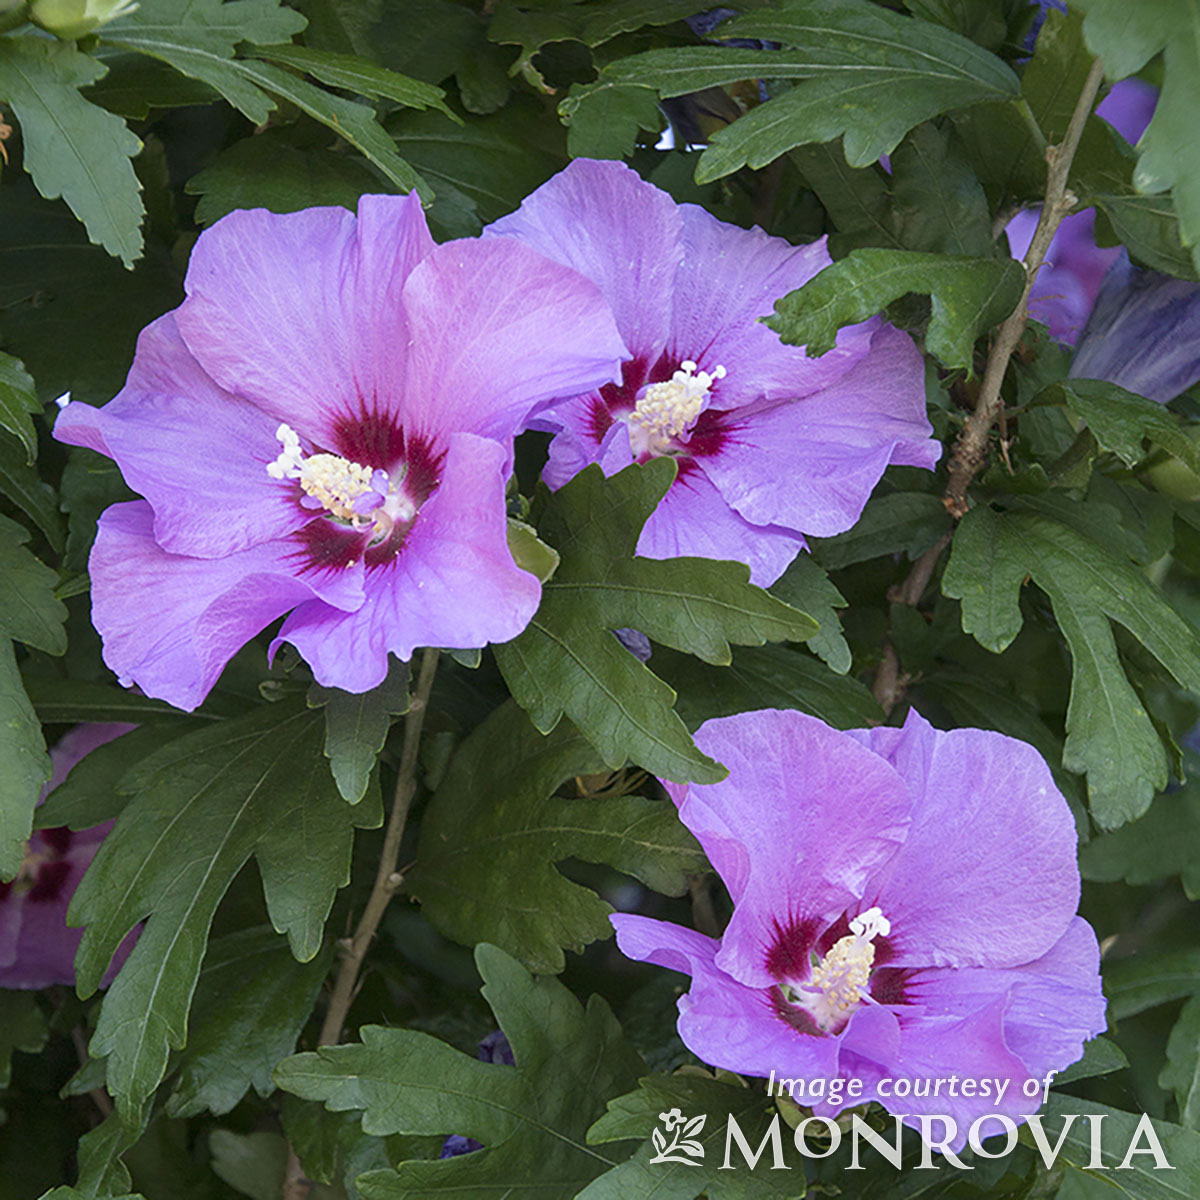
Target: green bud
{"x": 72, "y": 19}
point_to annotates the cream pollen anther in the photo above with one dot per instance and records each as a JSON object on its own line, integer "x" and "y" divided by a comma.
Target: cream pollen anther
{"x": 838, "y": 982}
{"x": 667, "y": 409}
{"x": 346, "y": 490}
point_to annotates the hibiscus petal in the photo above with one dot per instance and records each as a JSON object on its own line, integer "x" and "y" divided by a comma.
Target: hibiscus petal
{"x": 721, "y": 1020}
{"x": 38, "y": 946}
{"x": 454, "y": 583}
{"x": 804, "y": 820}
{"x": 496, "y": 330}
{"x": 271, "y": 312}
{"x": 811, "y": 465}
{"x": 987, "y": 875}
{"x": 693, "y": 518}
{"x": 1055, "y": 1003}
{"x": 1142, "y": 333}
{"x": 942, "y": 1048}
{"x": 205, "y": 479}
{"x": 729, "y": 279}
{"x": 605, "y": 221}
{"x": 170, "y": 623}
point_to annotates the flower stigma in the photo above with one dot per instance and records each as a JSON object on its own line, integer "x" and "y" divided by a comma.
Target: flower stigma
{"x": 839, "y": 980}
{"x": 348, "y": 491}
{"x": 666, "y": 410}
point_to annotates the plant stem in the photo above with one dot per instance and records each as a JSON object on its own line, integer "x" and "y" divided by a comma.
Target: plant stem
{"x": 388, "y": 882}
{"x": 970, "y": 449}
{"x": 387, "y": 879}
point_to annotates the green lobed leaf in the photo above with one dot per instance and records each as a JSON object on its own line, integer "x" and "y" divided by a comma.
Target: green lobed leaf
{"x": 604, "y": 119}
{"x": 1139, "y": 1179}
{"x": 1126, "y": 37}
{"x": 24, "y": 764}
{"x": 71, "y": 701}
{"x": 938, "y": 205}
{"x": 252, "y": 1000}
{"x": 567, "y": 662}
{"x": 978, "y": 20}
{"x": 766, "y": 677}
{"x": 18, "y": 399}
{"x": 356, "y": 726}
{"x": 484, "y": 168}
{"x": 102, "y": 1173}
{"x": 29, "y": 612}
{"x": 1144, "y": 981}
{"x": 1163, "y": 842}
{"x": 806, "y": 587}
{"x": 532, "y": 1118}
{"x": 69, "y": 1193}
{"x": 1182, "y": 1071}
{"x": 433, "y": 39}
{"x": 356, "y": 74}
{"x": 969, "y": 295}
{"x": 199, "y": 37}
{"x": 1121, "y": 420}
{"x": 204, "y": 804}
{"x": 908, "y": 522}
{"x": 72, "y": 148}
{"x": 1100, "y": 1057}
{"x": 857, "y": 199}
{"x": 931, "y": 201}
{"x": 1109, "y": 734}
{"x": 353, "y": 121}
{"x": 532, "y": 24}
{"x": 136, "y": 84}
{"x": 24, "y": 487}
{"x": 255, "y": 1164}
{"x": 90, "y": 794}
{"x": 270, "y": 171}
{"x": 865, "y": 74}
{"x": 496, "y": 828}
{"x": 636, "y": 1115}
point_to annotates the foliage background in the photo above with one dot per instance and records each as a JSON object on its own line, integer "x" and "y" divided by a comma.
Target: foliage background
{"x": 1064, "y": 613}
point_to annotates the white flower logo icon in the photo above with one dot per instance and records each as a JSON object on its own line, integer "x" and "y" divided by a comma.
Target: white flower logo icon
{"x": 683, "y": 1147}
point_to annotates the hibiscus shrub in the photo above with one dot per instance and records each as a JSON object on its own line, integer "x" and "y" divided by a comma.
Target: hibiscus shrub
{"x": 565, "y": 561}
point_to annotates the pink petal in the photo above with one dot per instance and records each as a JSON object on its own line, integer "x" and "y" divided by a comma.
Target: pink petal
{"x": 206, "y": 479}
{"x": 987, "y": 875}
{"x": 723, "y": 1022}
{"x": 729, "y": 279}
{"x": 453, "y": 584}
{"x": 811, "y": 465}
{"x": 170, "y": 623}
{"x": 496, "y": 331}
{"x": 605, "y": 221}
{"x": 694, "y": 519}
{"x": 803, "y": 822}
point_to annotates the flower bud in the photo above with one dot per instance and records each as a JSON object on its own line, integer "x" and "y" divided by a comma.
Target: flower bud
{"x": 70, "y": 19}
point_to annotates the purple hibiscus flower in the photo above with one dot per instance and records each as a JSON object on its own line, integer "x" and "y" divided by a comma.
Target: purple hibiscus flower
{"x": 1069, "y": 281}
{"x": 771, "y": 445}
{"x": 904, "y": 908}
{"x": 325, "y": 426}
{"x": 1143, "y": 333}
{"x": 37, "y": 948}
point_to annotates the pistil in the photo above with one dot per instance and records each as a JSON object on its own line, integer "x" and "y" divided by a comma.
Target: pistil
{"x": 839, "y": 981}
{"x": 667, "y": 410}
